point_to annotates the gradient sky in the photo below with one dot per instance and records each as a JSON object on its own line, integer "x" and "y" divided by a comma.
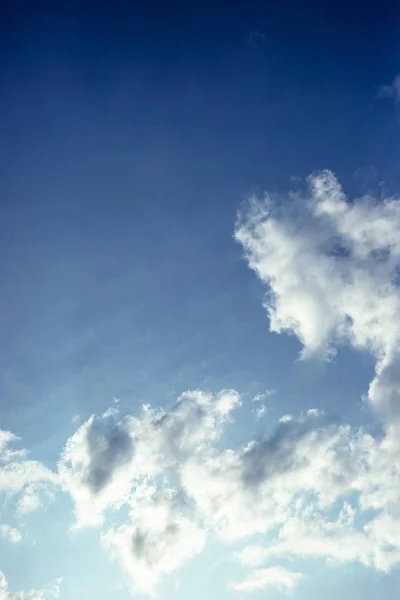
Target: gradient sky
{"x": 200, "y": 318}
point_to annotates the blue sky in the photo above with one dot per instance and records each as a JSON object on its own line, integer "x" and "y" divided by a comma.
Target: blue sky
{"x": 199, "y": 216}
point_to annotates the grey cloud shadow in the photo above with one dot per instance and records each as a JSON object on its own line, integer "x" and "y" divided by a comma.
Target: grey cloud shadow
{"x": 111, "y": 446}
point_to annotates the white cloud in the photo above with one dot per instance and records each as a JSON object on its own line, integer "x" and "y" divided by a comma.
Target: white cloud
{"x": 310, "y": 534}
{"x": 15, "y": 476}
{"x": 10, "y": 533}
{"x": 21, "y": 477}
{"x": 252, "y": 490}
{"x": 108, "y": 462}
{"x": 167, "y": 439}
{"x": 262, "y": 579}
{"x": 105, "y": 456}
{"x": 6, "y": 454}
{"x": 160, "y": 537}
{"x": 5, "y": 594}
{"x": 331, "y": 267}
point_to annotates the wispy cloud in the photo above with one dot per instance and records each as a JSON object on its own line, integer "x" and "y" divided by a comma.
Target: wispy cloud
{"x": 263, "y": 395}
{"x": 392, "y": 90}
{"x": 10, "y": 533}
{"x": 276, "y": 577}
{"x": 260, "y": 411}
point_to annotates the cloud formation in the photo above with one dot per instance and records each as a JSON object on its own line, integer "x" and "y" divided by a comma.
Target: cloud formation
{"x": 331, "y": 267}
{"x": 314, "y": 487}
{"x": 256, "y": 489}
{"x": 107, "y": 455}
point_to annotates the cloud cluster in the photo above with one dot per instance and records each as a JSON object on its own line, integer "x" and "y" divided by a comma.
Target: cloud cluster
{"x": 314, "y": 487}
{"x": 106, "y": 455}
{"x": 332, "y": 268}
{"x": 5, "y": 594}
{"x": 318, "y": 488}
{"x": 286, "y": 485}
{"x": 252, "y": 490}
{"x": 111, "y": 461}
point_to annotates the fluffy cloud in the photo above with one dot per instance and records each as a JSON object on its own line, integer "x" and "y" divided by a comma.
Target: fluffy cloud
{"x": 286, "y": 485}
{"x": 251, "y": 490}
{"x": 106, "y": 456}
{"x": 332, "y": 268}
{"x": 168, "y": 439}
{"x": 262, "y": 579}
{"x": 5, "y": 594}
{"x": 308, "y": 533}
{"x": 161, "y": 536}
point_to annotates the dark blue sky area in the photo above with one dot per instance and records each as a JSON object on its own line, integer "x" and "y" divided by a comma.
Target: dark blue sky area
{"x": 233, "y": 95}
{"x": 130, "y": 135}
